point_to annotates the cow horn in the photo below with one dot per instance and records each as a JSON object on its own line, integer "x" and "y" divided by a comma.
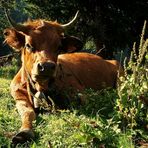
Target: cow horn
{"x": 15, "y": 25}
{"x": 72, "y": 21}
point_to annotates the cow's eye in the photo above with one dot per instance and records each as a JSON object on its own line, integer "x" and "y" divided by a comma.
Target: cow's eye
{"x": 29, "y": 47}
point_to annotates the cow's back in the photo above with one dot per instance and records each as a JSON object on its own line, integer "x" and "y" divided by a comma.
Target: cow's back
{"x": 83, "y": 70}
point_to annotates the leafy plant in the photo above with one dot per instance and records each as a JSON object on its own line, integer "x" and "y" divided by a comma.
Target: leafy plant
{"x": 97, "y": 102}
{"x": 133, "y": 92}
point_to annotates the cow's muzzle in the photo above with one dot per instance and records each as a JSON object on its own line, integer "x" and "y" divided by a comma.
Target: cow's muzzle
{"x": 45, "y": 67}
{"x": 43, "y": 71}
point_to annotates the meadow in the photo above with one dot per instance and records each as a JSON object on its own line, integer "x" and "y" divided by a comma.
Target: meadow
{"x": 109, "y": 118}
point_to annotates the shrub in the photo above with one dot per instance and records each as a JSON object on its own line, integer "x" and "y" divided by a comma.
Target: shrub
{"x": 133, "y": 92}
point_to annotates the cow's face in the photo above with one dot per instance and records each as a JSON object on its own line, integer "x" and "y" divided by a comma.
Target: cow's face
{"x": 40, "y": 44}
{"x": 41, "y": 51}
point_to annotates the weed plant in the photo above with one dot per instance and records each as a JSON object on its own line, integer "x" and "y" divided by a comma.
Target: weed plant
{"x": 132, "y": 104}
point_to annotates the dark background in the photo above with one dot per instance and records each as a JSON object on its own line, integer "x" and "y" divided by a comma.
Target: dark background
{"x": 113, "y": 25}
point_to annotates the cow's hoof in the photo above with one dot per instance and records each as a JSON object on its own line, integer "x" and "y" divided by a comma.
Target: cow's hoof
{"x": 23, "y": 136}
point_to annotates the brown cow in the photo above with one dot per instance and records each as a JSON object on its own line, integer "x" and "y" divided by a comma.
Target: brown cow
{"x": 40, "y": 43}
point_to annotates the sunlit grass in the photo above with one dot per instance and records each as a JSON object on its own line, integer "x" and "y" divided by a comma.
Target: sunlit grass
{"x": 8, "y": 114}
{"x": 65, "y": 128}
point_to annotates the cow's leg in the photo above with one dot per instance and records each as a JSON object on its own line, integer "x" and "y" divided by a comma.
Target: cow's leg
{"x": 27, "y": 116}
{"x": 25, "y": 109}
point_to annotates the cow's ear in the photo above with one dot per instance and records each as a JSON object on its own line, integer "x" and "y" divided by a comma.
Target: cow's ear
{"x": 71, "y": 44}
{"x": 14, "y": 39}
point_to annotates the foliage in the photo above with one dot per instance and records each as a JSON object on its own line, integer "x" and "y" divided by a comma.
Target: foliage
{"x": 8, "y": 71}
{"x": 3, "y": 24}
{"x": 89, "y": 47}
{"x": 97, "y": 102}
{"x": 8, "y": 114}
{"x": 111, "y": 23}
{"x": 16, "y": 12}
{"x": 133, "y": 93}
{"x": 106, "y": 22}
{"x": 62, "y": 129}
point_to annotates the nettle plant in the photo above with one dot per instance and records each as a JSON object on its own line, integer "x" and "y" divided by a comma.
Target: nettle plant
{"x": 132, "y": 104}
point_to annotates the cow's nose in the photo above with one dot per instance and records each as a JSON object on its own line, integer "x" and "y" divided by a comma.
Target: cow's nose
{"x": 45, "y": 66}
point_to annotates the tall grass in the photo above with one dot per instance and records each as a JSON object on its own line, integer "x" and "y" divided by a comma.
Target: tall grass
{"x": 132, "y": 104}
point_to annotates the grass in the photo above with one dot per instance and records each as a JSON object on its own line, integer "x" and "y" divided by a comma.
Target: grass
{"x": 8, "y": 114}
{"x": 65, "y": 128}
{"x": 8, "y": 71}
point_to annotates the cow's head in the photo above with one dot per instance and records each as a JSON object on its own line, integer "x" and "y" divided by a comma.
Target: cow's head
{"x": 40, "y": 42}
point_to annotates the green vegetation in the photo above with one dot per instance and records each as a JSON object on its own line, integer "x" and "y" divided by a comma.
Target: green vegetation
{"x": 108, "y": 118}
{"x": 9, "y": 70}
{"x": 83, "y": 127}
{"x": 112, "y": 24}
{"x": 133, "y": 93}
